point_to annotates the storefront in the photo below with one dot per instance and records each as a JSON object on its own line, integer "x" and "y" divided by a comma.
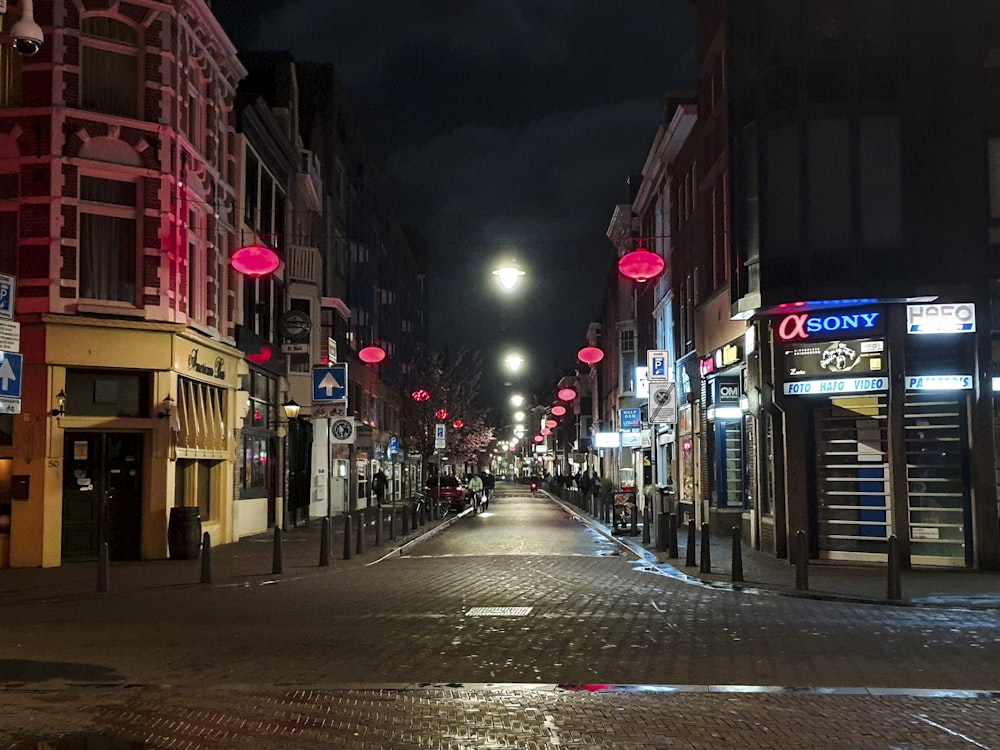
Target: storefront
{"x": 879, "y": 421}
{"x": 131, "y": 421}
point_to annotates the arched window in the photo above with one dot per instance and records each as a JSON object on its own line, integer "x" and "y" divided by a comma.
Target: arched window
{"x": 109, "y": 67}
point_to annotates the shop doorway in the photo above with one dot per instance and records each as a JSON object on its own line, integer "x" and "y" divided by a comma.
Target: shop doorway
{"x": 102, "y": 495}
{"x": 851, "y": 516}
{"x": 937, "y": 480}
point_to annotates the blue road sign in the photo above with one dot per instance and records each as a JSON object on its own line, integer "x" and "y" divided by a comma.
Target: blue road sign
{"x": 631, "y": 419}
{"x": 330, "y": 383}
{"x": 10, "y": 374}
{"x": 7, "y": 286}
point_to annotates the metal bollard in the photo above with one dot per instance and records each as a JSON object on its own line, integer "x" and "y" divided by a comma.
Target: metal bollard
{"x": 206, "y": 558}
{"x": 737, "y": 568}
{"x": 324, "y": 543}
{"x": 634, "y": 521}
{"x": 691, "y": 544}
{"x": 392, "y": 524}
{"x": 361, "y": 532}
{"x": 662, "y": 522}
{"x": 103, "y": 571}
{"x": 645, "y": 524}
{"x": 801, "y": 561}
{"x": 672, "y": 551}
{"x": 894, "y": 589}
{"x": 405, "y": 513}
{"x": 277, "y": 559}
{"x": 706, "y": 549}
{"x": 348, "y": 537}
{"x": 415, "y": 518}
{"x": 379, "y": 531}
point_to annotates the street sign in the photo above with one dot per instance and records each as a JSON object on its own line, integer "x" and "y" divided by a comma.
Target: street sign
{"x": 657, "y": 364}
{"x": 630, "y": 419}
{"x": 7, "y": 286}
{"x": 662, "y": 401}
{"x": 439, "y": 435}
{"x": 328, "y": 410}
{"x": 10, "y": 406}
{"x": 342, "y": 430}
{"x": 10, "y": 336}
{"x": 330, "y": 383}
{"x": 10, "y": 374}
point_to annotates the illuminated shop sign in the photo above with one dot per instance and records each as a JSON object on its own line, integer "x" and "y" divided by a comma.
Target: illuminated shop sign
{"x": 852, "y": 356}
{"x": 722, "y": 358}
{"x": 939, "y": 382}
{"x": 836, "y": 385}
{"x": 607, "y": 440}
{"x": 941, "y": 318}
{"x": 727, "y": 391}
{"x": 805, "y": 326}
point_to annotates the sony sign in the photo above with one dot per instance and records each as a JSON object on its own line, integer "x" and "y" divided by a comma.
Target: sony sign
{"x": 959, "y": 317}
{"x": 805, "y": 326}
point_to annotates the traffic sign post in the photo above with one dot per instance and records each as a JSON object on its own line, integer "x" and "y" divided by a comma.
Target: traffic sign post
{"x": 10, "y": 374}
{"x": 662, "y": 401}
{"x": 329, "y": 383}
{"x": 658, "y": 364}
{"x": 7, "y": 286}
{"x": 630, "y": 419}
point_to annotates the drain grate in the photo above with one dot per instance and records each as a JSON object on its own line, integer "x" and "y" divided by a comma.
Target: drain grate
{"x": 498, "y": 612}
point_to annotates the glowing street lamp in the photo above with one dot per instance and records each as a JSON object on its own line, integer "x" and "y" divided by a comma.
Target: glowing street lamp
{"x": 566, "y": 394}
{"x": 508, "y": 276}
{"x": 514, "y": 362}
{"x": 590, "y": 355}
{"x": 516, "y": 400}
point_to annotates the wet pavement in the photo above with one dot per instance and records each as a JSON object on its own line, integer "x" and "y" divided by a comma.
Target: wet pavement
{"x": 300, "y": 550}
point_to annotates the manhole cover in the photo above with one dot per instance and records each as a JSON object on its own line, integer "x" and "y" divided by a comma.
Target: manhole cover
{"x": 498, "y": 612}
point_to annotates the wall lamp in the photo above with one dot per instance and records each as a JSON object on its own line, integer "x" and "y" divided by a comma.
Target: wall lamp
{"x": 61, "y": 404}
{"x": 291, "y": 408}
{"x": 168, "y": 405}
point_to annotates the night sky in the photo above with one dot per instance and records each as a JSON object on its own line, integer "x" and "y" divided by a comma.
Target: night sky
{"x": 507, "y": 129}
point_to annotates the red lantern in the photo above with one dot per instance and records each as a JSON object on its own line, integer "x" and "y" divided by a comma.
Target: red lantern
{"x": 538, "y": 438}
{"x": 590, "y": 355}
{"x": 558, "y": 410}
{"x": 545, "y": 431}
{"x": 441, "y": 414}
{"x": 372, "y": 355}
{"x": 566, "y": 394}
{"x": 262, "y": 357}
{"x": 420, "y": 394}
{"x": 458, "y": 424}
{"x": 640, "y": 265}
{"x": 255, "y": 260}
{"x": 550, "y": 423}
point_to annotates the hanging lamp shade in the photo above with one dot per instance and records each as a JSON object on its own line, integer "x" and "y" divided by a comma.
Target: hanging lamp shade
{"x": 538, "y": 438}
{"x": 550, "y": 423}
{"x": 590, "y": 355}
{"x": 458, "y": 424}
{"x": 421, "y": 394}
{"x": 640, "y": 265}
{"x": 566, "y": 394}
{"x": 255, "y": 260}
{"x": 372, "y": 355}
{"x": 559, "y": 410}
{"x": 441, "y": 414}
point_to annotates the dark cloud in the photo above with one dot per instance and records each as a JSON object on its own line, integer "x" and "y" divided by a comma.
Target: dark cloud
{"x": 505, "y": 128}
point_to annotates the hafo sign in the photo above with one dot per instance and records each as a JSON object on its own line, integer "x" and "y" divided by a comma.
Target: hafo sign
{"x": 941, "y": 318}
{"x": 805, "y": 326}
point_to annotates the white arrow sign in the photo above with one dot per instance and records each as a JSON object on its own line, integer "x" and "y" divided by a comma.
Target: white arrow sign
{"x": 7, "y": 374}
{"x": 330, "y": 384}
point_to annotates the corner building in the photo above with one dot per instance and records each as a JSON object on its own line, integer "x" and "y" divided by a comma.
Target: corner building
{"x": 116, "y": 211}
{"x": 865, "y": 187}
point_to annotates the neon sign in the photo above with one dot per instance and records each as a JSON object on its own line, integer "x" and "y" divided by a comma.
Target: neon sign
{"x": 834, "y": 386}
{"x": 802, "y": 326}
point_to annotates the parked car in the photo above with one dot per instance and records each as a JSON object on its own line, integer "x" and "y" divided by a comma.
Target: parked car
{"x": 446, "y": 488}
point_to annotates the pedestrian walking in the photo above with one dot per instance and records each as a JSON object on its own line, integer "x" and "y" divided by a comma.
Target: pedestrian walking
{"x": 489, "y": 486}
{"x": 380, "y": 484}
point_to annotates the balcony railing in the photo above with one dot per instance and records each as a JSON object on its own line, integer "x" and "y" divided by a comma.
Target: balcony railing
{"x": 304, "y": 264}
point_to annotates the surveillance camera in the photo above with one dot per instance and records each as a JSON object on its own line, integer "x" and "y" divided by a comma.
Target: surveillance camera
{"x": 26, "y": 33}
{"x": 28, "y": 45}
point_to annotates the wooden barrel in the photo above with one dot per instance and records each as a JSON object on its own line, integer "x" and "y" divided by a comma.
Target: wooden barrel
{"x": 184, "y": 533}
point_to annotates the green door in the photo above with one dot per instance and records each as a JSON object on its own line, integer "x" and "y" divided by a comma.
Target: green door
{"x": 102, "y": 495}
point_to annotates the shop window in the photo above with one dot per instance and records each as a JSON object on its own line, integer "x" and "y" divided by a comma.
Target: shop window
{"x": 198, "y": 484}
{"x": 256, "y": 458}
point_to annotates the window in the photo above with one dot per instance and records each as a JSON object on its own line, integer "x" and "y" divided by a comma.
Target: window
{"x": 109, "y": 67}
{"x": 108, "y": 239}
{"x": 627, "y": 351}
